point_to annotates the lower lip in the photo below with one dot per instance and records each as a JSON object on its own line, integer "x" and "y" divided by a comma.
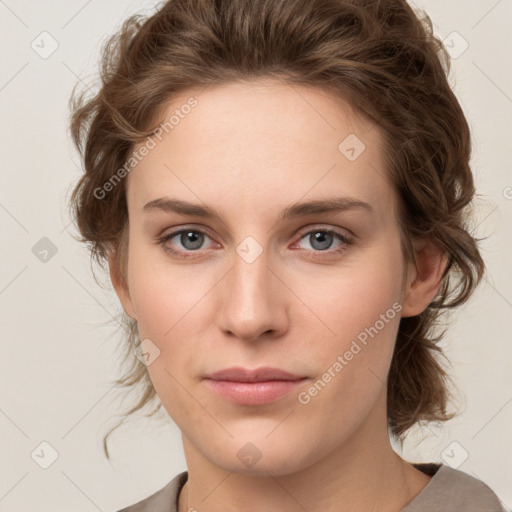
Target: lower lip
{"x": 254, "y": 393}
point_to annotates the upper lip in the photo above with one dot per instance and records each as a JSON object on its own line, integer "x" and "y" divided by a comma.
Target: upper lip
{"x": 262, "y": 374}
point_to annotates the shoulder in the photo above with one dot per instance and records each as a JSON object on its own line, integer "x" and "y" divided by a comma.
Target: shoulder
{"x": 164, "y": 500}
{"x": 450, "y": 489}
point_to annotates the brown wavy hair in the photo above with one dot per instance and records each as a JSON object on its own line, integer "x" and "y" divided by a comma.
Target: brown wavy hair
{"x": 379, "y": 55}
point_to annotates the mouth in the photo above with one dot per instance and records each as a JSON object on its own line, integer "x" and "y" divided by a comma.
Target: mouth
{"x": 253, "y": 387}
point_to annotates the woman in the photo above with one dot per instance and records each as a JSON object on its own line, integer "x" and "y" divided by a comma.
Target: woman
{"x": 280, "y": 190}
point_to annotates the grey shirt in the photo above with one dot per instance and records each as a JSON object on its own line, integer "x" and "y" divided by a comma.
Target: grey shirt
{"x": 448, "y": 490}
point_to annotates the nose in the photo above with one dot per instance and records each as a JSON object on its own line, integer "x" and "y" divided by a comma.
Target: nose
{"x": 252, "y": 303}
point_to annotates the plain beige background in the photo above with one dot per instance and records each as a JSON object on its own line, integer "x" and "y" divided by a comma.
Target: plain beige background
{"x": 58, "y": 357}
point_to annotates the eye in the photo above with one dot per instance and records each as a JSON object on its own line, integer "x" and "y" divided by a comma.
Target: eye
{"x": 191, "y": 240}
{"x": 321, "y": 240}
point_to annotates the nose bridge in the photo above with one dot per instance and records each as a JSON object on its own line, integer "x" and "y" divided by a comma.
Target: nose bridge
{"x": 250, "y": 305}
{"x": 250, "y": 274}
{"x": 250, "y": 258}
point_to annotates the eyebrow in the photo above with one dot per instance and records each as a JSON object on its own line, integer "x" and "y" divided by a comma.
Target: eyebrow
{"x": 330, "y": 205}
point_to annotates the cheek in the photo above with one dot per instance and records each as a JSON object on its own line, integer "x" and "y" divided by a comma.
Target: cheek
{"x": 172, "y": 309}
{"x": 163, "y": 293}
{"x": 352, "y": 298}
{"x": 359, "y": 309}
{"x": 167, "y": 302}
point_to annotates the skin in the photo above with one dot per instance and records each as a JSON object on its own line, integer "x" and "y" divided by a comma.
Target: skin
{"x": 250, "y": 149}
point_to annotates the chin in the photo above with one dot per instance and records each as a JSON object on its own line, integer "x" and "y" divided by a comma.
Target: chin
{"x": 263, "y": 458}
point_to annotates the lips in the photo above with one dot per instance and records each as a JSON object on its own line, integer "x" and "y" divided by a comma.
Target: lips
{"x": 253, "y": 387}
{"x": 264, "y": 374}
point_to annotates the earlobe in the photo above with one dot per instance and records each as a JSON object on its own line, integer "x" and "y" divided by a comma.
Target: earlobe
{"x": 119, "y": 283}
{"x": 424, "y": 279}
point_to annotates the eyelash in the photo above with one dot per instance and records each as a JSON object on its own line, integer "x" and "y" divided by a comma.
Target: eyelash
{"x": 162, "y": 241}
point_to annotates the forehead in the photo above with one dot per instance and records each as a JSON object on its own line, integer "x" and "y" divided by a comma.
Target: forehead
{"x": 258, "y": 140}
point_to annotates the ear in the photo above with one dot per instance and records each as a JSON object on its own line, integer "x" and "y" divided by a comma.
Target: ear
{"x": 120, "y": 284}
{"x": 424, "y": 279}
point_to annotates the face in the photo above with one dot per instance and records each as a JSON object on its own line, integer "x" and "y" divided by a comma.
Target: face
{"x": 315, "y": 292}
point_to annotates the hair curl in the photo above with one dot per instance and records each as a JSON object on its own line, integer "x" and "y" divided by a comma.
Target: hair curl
{"x": 379, "y": 55}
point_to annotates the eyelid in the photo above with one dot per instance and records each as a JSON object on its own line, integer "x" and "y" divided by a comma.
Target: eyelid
{"x": 176, "y": 230}
{"x": 344, "y": 232}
